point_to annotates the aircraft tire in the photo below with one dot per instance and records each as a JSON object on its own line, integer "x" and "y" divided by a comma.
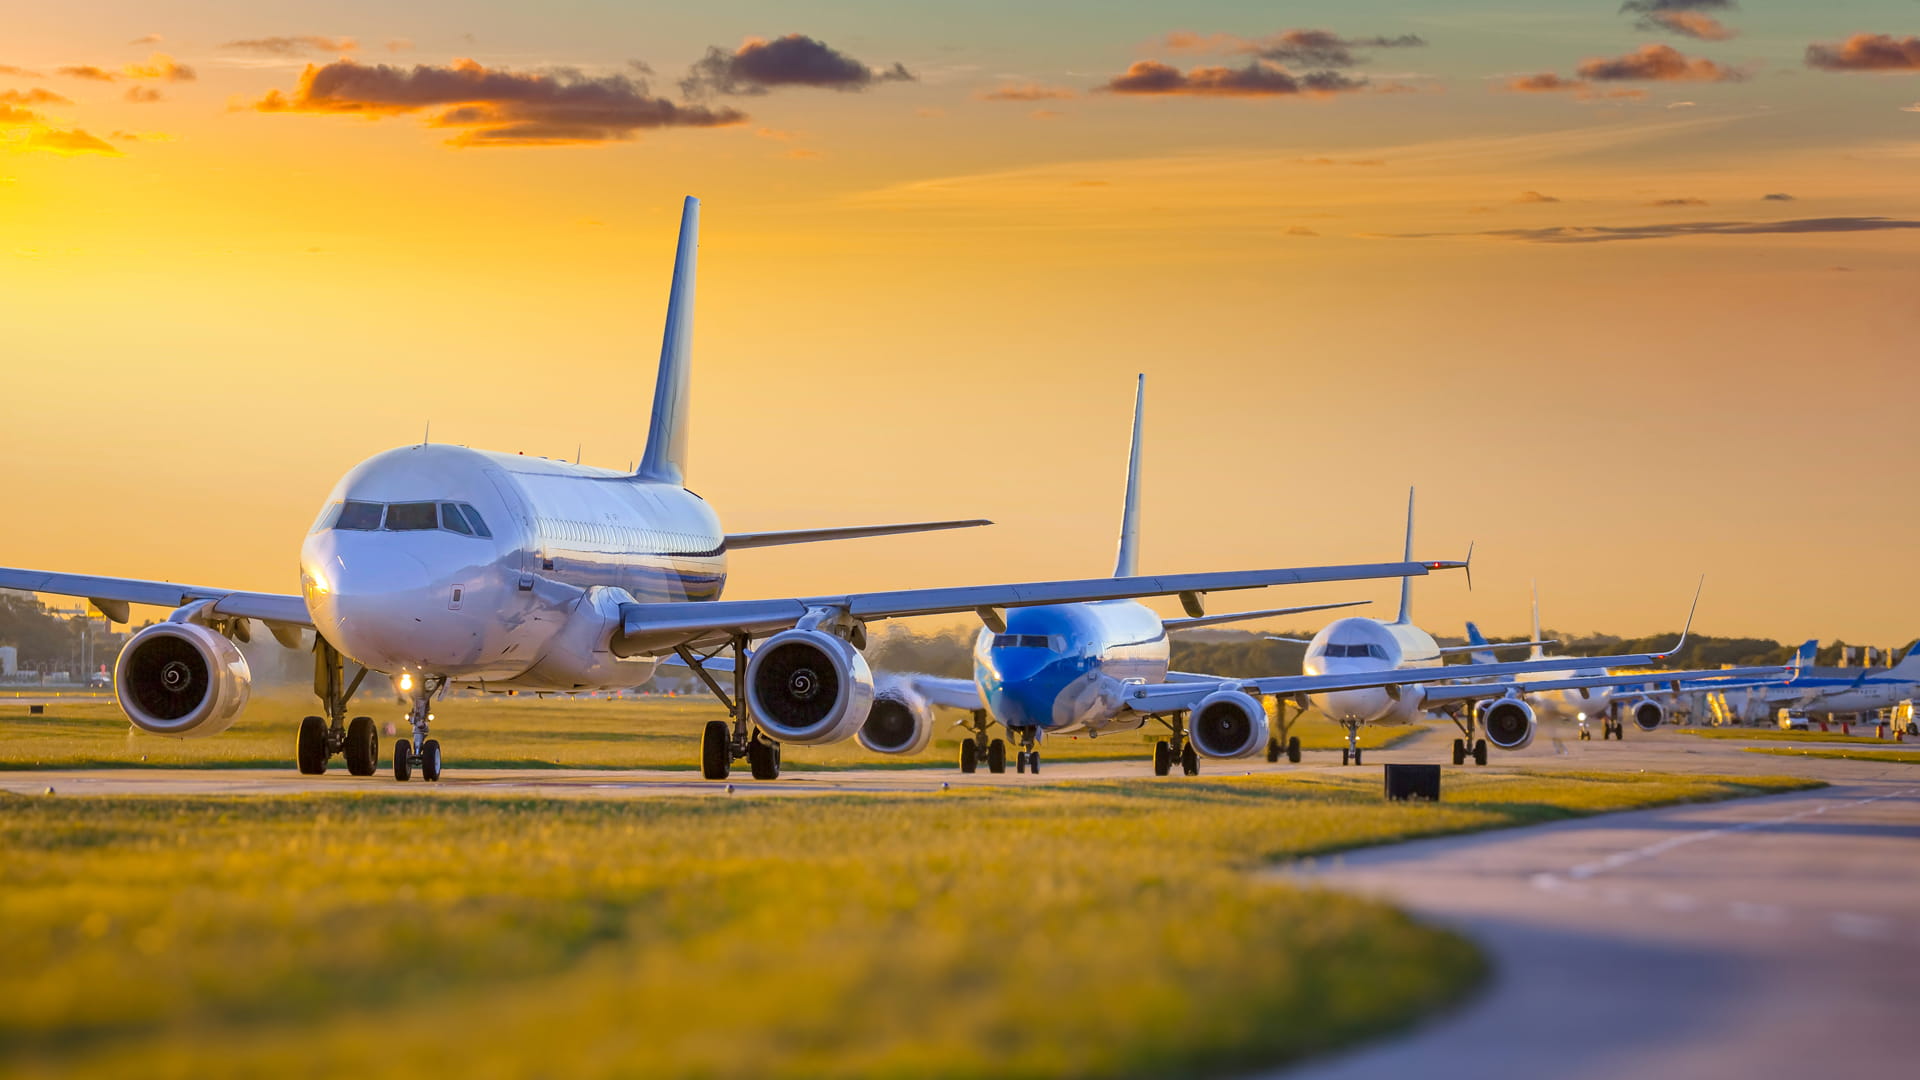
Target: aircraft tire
{"x": 403, "y": 761}
{"x": 716, "y": 750}
{"x": 430, "y": 761}
{"x": 1346, "y": 756}
{"x": 310, "y": 748}
{"x": 997, "y": 757}
{"x": 1480, "y": 752}
{"x": 969, "y": 756}
{"x": 1162, "y": 758}
{"x": 1293, "y": 749}
{"x": 761, "y": 761}
{"x": 1189, "y": 761}
{"x": 363, "y": 747}
{"x": 1459, "y": 751}
{"x": 1273, "y": 750}
{"x": 1033, "y": 762}
{"x": 1356, "y": 755}
{"x": 1020, "y": 762}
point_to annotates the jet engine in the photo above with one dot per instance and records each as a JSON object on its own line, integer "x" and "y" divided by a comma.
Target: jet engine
{"x": 1647, "y": 713}
{"x": 1228, "y": 724}
{"x": 1508, "y": 723}
{"x": 806, "y": 687}
{"x": 181, "y": 679}
{"x": 900, "y": 722}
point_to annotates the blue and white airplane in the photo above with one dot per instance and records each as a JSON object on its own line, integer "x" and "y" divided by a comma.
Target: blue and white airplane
{"x": 444, "y": 566}
{"x": 1835, "y": 692}
{"x": 1100, "y": 668}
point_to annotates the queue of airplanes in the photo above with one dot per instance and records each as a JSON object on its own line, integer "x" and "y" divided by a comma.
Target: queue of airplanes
{"x": 442, "y": 566}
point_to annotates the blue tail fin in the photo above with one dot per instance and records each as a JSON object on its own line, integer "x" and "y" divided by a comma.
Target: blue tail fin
{"x": 1475, "y": 637}
{"x": 1128, "y": 564}
{"x": 665, "y": 460}
{"x": 1406, "y": 583}
{"x": 1805, "y": 654}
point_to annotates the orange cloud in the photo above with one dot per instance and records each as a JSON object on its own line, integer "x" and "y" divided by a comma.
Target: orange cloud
{"x": 1544, "y": 83}
{"x": 1258, "y": 79}
{"x": 1691, "y": 24}
{"x": 295, "y": 44}
{"x": 1867, "y": 52}
{"x": 142, "y": 95}
{"x": 160, "y": 66}
{"x": 76, "y": 141}
{"x": 1534, "y": 197}
{"x": 494, "y": 106}
{"x": 86, "y": 71}
{"x": 35, "y": 96}
{"x": 1685, "y": 201}
{"x": 1656, "y": 63}
{"x": 1024, "y": 92}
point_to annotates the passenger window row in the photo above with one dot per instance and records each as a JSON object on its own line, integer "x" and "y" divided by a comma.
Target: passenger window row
{"x": 356, "y": 516}
{"x": 628, "y": 539}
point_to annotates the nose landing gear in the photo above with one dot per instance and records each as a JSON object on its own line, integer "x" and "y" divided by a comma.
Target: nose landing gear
{"x": 420, "y": 752}
{"x": 1350, "y": 754}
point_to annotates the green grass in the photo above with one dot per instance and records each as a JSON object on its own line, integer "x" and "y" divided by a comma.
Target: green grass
{"x": 1776, "y": 734}
{"x": 1905, "y": 757}
{"x": 519, "y": 732}
{"x": 1100, "y": 929}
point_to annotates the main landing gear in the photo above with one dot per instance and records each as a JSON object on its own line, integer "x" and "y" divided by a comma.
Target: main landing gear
{"x": 321, "y": 738}
{"x": 420, "y": 752}
{"x": 1611, "y": 729}
{"x": 1178, "y": 749}
{"x": 1283, "y": 741}
{"x": 977, "y": 749}
{"x": 724, "y": 742}
{"x": 1467, "y": 747}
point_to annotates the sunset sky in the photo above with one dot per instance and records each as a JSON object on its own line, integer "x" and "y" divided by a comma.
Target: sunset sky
{"x": 1629, "y": 293}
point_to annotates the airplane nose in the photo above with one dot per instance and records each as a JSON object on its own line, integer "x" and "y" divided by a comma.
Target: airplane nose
{"x": 368, "y": 598}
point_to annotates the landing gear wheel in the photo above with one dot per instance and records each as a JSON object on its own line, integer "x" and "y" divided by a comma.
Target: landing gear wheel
{"x": 1273, "y": 750}
{"x": 1293, "y": 749}
{"x": 1585, "y": 735}
{"x": 716, "y": 750}
{"x": 1459, "y": 751}
{"x": 997, "y": 756}
{"x": 969, "y": 756}
{"x": 1346, "y": 756}
{"x": 1356, "y": 755}
{"x": 430, "y": 761}
{"x": 1162, "y": 758}
{"x": 403, "y": 761}
{"x": 1480, "y": 752}
{"x": 1189, "y": 761}
{"x": 763, "y": 760}
{"x": 1033, "y": 762}
{"x": 1020, "y": 762}
{"x": 310, "y": 749}
{"x": 363, "y": 747}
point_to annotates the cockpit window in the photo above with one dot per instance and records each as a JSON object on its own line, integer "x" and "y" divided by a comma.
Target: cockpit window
{"x": 450, "y": 514}
{"x": 1373, "y": 651}
{"x": 1019, "y": 641}
{"x": 474, "y": 519}
{"x": 359, "y": 516}
{"x": 412, "y": 517}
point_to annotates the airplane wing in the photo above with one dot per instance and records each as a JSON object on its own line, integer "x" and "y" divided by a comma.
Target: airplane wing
{"x": 953, "y": 693}
{"x": 1239, "y": 616}
{"x": 736, "y": 541}
{"x": 667, "y": 624}
{"x": 112, "y": 595}
{"x": 1703, "y": 679}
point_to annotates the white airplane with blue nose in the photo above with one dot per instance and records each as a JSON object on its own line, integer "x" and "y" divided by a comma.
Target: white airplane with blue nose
{"x": 1100, "y": 668}
{"x": 448, "y": 567}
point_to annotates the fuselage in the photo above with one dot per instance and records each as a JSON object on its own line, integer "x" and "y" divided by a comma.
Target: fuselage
{"x": 441, "y": 560}
{"x": 1354, "y": 646}
{"x": 1844, "y": 691}
{"x": 1059, "y": 668}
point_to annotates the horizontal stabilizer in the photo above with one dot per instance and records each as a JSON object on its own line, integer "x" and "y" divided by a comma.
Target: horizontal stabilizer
{"x": 1241, "y": 616}
{"x": 736, "y": 541}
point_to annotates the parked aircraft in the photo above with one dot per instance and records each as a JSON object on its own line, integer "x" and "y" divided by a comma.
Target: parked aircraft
{"x": 445, "y": 566}
{"x": 1834, "y": 692}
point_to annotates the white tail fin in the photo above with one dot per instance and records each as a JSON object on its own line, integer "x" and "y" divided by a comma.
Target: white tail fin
{"x": 1406, "y": 584}
{"x": 665, "y": 460}
{"x": 1128, "y": 564}
{"x": 1537, "y": 652}
{"x": 1910, "y": 663}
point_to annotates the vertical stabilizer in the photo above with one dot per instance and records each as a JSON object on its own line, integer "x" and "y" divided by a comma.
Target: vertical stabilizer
{"x": 1805, "y": 655}
{"x": 1909, "y": 664}
{"x": 1538, "y": 652}
{"x": 665, "y": 460}
{"x": 1406, "y": 584}
{"x": 1128, "y": 564}
{"x": 1480, "y": 655}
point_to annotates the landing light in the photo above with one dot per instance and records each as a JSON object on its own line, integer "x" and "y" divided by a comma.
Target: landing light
{"x": 1583, "y": 716}
{"x": 406, "y": 682}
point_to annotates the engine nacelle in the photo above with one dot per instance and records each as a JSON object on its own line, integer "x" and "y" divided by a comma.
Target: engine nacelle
{"x": 806, "y": 687}
{"x": 900, "y": 721}
{"x": 1647, "y": 714}
{"x": 1508, "y": 723}
{"x": 1227, "y": 724}
{"x": 181, "y": 679}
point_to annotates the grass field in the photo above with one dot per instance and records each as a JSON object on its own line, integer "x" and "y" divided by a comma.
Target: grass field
{"x": 1777, "y": 735}
{"x": 1905, "y": 757}
{"x": 1101, "y": 929}
{"x": 520, "y": 732}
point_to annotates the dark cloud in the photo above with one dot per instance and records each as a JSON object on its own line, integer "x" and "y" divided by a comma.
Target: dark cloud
{"x": 1308, "y": 48}
{"x": 794, "y": 60}
{"x": 147, "y": 39}
{"x": 1867, "y": 52}
{"x": 1258, "y": 79}
{"x": 1534, "y": 197}
{"x": 1776, "y": 196}
{"x": 1598, "y": 234}
{"x": 86, "y": 71}
{"x": 1024, "y": 92}
{"x": 493, "y": 106}
{"x": 297, "y": 44}
{"x": 1656, "y": 63}
{"x": 1684, "y": 17}
{"x": 142, "y": 95}
{"x": 35, "y": 96}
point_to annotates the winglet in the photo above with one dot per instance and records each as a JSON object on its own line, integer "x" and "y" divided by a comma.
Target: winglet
{"x": 665, "y": 460}
{"x": 1128, "y": 564}
{"x": 1678, "y": 645}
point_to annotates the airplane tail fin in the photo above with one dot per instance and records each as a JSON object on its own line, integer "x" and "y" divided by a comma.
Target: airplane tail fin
{"x": 1475, "y": 637}
{"x": 1128, "y": 563}
{"x": 1406, "y": 584}
{"x": 1909, "y": 664}
{"x": 1538, "y": 652}
{"x": 1803, "y": 657}
{"x": 665, "y": 460}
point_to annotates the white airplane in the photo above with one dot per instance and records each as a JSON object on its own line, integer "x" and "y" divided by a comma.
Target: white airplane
{"x": 1102, "y": 667}
{"x": 444, "y": 566}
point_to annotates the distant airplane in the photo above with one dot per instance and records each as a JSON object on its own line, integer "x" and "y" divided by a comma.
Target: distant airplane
{"x": 444, "y": 566}
{"x": 1835, "y": 692}
{"x": 1101, "y": 668}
